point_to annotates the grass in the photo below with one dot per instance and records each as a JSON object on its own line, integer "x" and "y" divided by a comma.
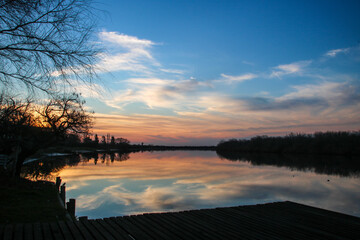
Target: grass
{"x": 25, "y": 201}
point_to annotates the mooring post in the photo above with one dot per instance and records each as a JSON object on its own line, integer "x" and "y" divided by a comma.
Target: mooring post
{"x": 63, "y": 193}
{"x": 83, "y": 218}
{"x": 70, "y": 206}
{"x": 58, "y": 182}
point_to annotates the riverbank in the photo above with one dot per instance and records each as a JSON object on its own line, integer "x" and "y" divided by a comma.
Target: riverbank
{"x": 24, "y": 201}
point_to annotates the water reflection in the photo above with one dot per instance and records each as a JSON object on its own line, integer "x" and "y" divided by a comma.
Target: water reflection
{"x": 107, "y": 185}
{"x": 49, "y": 168}
{"x": 330, "y": 165}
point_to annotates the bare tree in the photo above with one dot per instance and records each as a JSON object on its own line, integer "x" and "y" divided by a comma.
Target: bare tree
{"x": 65, "y": 115}
{"x": 26, "y": 127}
{"x": 42, "y": 41}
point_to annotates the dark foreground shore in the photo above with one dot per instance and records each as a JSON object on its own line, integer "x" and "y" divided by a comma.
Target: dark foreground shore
{"x": 26, "y": 201}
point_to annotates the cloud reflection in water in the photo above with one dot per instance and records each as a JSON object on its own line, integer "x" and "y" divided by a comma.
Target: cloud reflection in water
{"x": 172, "y": 181}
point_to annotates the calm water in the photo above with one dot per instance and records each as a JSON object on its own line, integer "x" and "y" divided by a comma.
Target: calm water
{"x": 111, "y": 185}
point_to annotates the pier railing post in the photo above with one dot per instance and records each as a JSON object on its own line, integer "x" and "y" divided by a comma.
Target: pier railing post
{"x": 63, "y": 193}
{"x": 58, "y": 182}
{"x": 70, "y": 206}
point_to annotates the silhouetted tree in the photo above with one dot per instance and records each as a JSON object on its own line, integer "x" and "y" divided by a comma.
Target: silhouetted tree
{"x": 103, "y": 140}
{"x": 335, "y": 143}
{"x": 26, "y": 127}
{"x": 96, "y": 140}
{"x": 42, "y": 42}
{"x": 87, "y": 141}
{"x": 122, "y": 141}
{"x": 64, "y": 115}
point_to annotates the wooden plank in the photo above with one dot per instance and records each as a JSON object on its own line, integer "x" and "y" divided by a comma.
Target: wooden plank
{"x": 93, "y": 231}
{"x": 173, "y": 229}
{"x": 74, "y": 230}
{"x": 149, "y": 227}
{"x": 1, "y": 231}
{"x": 65, "y": 230}
{"x": 251, "y": 225}
{"x": 28, "y": 231}
{"x": 47, "y": 231}
{"x": 245, "y": 224}
{"x": 177, "y": 225}
{"x": 209, "y": 224}
{"x": 56, "y": 232}
{"x": 84, "y": 232}
{"x": 132, "y": 229}
{"x": 214, "y": 224}
{"x": 286, "y": 225}
{"x": 254, "y": 227}
{"x": 192, "y": 226}
{"x": 290, "y": 224}
{"x": 8, "y": 232}
{"x": 136, "y": 221}
{"x": 37, "y": 231}
{"x": 101, "y": 230}
{"x": 272, "y": 223}
{"x": 324, "y": 213}
{"x": 18, "y": 232}
{"x": 109, "y": 229}
{"x": 121, "y": 232}
{"x": 336, "y": 223}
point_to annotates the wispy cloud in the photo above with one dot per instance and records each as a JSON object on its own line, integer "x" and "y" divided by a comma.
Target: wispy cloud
{"x": 131, "y": 54}
{"x": 125, "y": 41}
{"x": 127, "y": 53}
{"x": 157, "y": 93}
{"x": 237, "y": 78}
{"x": 248, "y": 63}
{"x": 335, "y": 52}
{"x": 287, "y": 69}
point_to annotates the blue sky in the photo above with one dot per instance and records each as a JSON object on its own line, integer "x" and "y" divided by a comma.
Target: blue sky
{"x": 196, "y": 72}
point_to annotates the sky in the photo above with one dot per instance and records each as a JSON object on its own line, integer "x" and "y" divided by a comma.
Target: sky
{"x": 197, "y": 72}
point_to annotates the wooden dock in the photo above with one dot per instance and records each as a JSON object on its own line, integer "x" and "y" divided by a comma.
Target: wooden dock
{"x": 282, "y": 220}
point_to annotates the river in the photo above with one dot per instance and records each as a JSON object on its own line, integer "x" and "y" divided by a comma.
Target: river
{"x": 106, "y": 185}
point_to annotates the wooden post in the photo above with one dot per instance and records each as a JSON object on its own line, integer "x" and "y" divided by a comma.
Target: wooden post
{"x": 63, "y": 193}
{"x": 70, "y": 206}
{"x": 83, "y": 218}
{"x": 58, "y": 182}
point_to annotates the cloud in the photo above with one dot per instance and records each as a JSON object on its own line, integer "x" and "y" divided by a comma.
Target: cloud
{"x": 325, "y": 95}
{"x": 174, "y": 71}
{"x": 157, "y": 93}
{"x": 125, "y": 41}
{"x": 128, "y": 53}
{"x": 335, "y": 52}
{"x": 238, "y": 78}
{"x": 131, "y": 54}
{"x": 287, "y": 69}
{"x": 149, "y": 81}
{"x": 248, "y": 63}
{"x": 336, "y": 94}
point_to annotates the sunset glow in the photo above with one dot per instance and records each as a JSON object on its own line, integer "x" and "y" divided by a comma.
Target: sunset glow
{"x": 193, "y": 73}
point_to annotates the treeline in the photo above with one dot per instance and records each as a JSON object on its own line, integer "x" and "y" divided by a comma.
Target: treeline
{"x": 142, "y": 147}
{"x": 103, "y": 142}
{"x": 334, "y": 143}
